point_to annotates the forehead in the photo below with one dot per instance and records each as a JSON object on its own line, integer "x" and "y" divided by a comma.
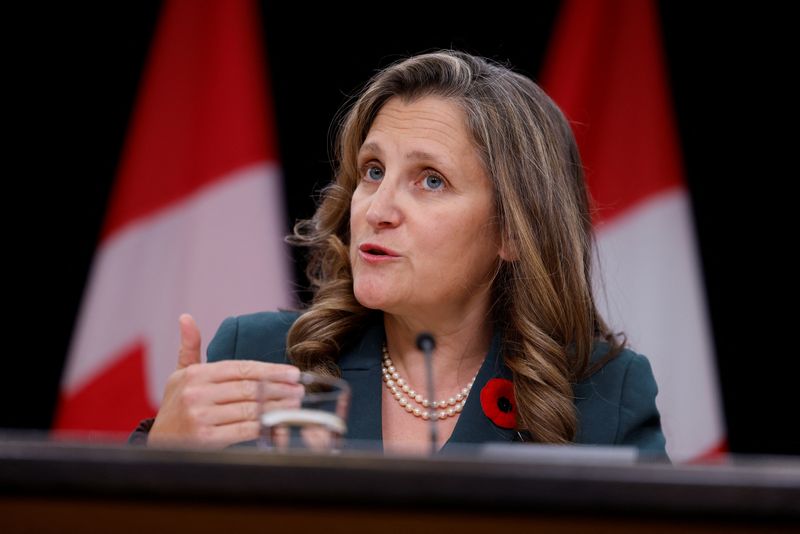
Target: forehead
{"x": 427, "y": 128}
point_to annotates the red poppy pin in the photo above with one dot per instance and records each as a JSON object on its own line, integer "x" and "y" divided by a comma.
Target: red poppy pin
{"x": 497, "y": 401}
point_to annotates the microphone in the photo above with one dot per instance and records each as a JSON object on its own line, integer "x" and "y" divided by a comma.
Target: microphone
{"x": 426, "y": 343}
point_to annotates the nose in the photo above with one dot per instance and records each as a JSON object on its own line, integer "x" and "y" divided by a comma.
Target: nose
{"x": 383, "y": 210}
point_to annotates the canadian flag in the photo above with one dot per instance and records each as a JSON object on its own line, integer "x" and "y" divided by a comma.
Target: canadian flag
{"x": 195, "y": 222}
{"x": 606, "y": 71}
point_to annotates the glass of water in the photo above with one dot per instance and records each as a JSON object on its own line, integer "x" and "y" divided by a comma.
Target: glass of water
{"x": 318, "y": 424}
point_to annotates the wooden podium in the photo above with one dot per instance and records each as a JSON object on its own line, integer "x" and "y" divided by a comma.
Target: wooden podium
{"x": 69, "y": 487}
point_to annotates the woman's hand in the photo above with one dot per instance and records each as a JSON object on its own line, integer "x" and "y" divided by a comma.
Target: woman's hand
{"x": 217, "y": 404}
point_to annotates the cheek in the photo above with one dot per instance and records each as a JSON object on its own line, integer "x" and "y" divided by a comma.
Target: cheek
{"x": 472, "y": 247}
{"x": 355, "y": 218}
{"x": 357, "y": 210}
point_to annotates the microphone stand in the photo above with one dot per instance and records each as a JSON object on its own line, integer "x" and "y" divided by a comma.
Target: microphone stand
{"x": 426, "y": 344}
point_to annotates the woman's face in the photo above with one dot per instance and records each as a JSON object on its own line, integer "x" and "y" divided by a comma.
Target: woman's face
{"x": 423, "y": 239}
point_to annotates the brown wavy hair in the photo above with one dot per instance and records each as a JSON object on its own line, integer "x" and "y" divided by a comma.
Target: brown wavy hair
{"x": 543, "y": 298}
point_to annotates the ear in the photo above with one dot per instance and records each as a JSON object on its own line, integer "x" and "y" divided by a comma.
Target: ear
{"x": 508, "y": 249}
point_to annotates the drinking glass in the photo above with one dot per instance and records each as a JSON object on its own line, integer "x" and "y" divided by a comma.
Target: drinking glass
{"x": 318, "y": 425}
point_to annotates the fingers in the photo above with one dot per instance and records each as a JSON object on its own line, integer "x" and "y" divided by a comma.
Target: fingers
{"x": 189, "y": 351}
{"x": 224, "y": 435}
{"x": 218, "y": 404}
{"x": 239, "y": 412}
{"x": 226, "y": 370}
{"x": 251, "y": 390}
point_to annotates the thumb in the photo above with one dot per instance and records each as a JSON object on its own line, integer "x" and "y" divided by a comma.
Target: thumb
{"x": 189, "y": 352}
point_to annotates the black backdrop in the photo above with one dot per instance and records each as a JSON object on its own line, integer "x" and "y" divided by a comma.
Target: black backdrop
{"x": 74, "y": 72}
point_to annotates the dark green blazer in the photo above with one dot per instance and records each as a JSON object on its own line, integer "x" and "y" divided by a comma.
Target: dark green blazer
{"x": 616, "y": 405}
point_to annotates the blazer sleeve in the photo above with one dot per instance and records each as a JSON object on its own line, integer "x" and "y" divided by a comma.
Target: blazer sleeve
{"x": 140, "y": 433}
{"x": 223, "y": 345}
{"x": 257, "y": 336}
{"x": 639, "y": 422}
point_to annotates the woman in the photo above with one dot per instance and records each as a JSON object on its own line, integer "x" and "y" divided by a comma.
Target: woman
{"x": 458, "y": 208}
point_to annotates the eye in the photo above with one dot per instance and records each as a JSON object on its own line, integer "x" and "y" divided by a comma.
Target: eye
{"x": 374, "y": 174}
{"x": 433, "y": 182}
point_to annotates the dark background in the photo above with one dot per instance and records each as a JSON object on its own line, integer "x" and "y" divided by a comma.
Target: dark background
{"x": 73, "y": 72}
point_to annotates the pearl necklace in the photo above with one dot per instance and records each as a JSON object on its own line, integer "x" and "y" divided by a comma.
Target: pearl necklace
{"x": 398, "y": 386}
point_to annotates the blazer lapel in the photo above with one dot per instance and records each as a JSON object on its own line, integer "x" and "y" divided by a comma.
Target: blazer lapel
{"x": 361, "y": 368}
{"x": 473, "y": 425}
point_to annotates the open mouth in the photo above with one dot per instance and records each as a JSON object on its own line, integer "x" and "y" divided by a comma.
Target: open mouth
{"x": 375, "y": 250}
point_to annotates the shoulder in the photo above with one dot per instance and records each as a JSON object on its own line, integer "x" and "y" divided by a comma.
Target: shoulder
{"x": 627, "y": 368}
{"x": 255, "y": 336}
{"x": 616, "y": 405}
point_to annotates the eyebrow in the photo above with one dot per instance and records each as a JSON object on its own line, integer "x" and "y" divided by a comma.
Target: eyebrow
{"x": 413, "y": 155}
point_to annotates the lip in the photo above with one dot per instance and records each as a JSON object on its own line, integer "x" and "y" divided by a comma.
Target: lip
{"x": 388, "y": 254}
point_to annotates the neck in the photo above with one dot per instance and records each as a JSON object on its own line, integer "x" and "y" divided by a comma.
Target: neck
{"x": 461, "y": 346}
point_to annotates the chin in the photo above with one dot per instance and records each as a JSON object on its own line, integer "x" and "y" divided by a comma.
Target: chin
{"x": 370, "y": 297}
{"x": 368, "y": 300}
